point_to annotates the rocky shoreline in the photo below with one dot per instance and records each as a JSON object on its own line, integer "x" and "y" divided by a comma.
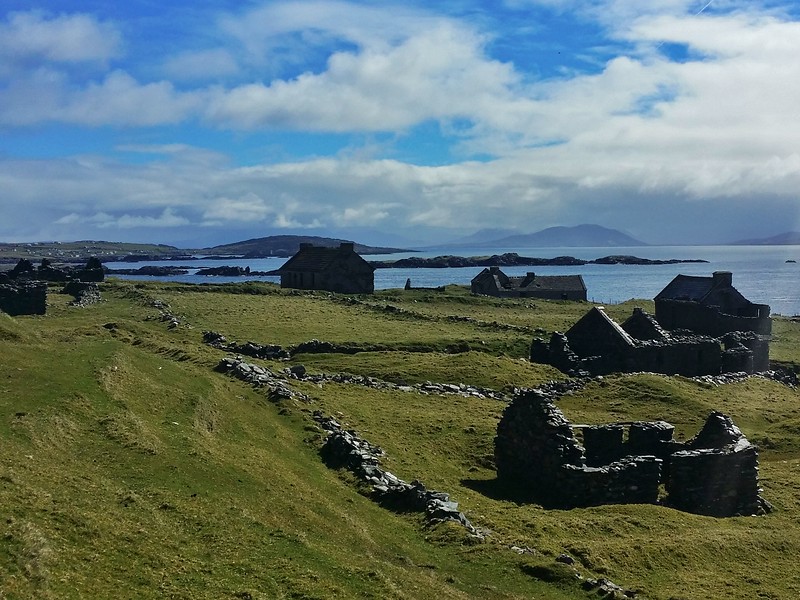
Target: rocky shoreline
{"x": 512, "y": 259}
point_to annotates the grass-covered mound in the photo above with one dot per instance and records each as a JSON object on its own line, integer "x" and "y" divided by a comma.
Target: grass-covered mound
{"x": 130, "y": 468}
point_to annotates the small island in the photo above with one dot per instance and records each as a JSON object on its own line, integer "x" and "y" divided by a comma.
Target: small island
{"x": 512, "y": 259}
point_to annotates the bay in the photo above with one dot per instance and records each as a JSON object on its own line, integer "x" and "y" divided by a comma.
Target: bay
{"x": 761, "y": 273}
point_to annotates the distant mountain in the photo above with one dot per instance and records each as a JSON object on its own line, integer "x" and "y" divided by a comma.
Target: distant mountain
{"x": 578, "y": 236}
{"x": 287, "y": 245}
{"x": 483, "y": 236}
{"x": 789, "y": 238}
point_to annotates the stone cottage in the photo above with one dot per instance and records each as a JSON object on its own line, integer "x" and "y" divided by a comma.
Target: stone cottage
{"x": 493, "y": 282}
{"x": 598, "y": 345}
{"x": 328, "y": 268}
{"x": 536, "y": 450}
{"x": 710, "y": 306}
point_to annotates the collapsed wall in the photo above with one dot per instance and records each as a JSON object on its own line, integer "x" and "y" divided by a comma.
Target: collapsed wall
{"x": 23, "y": 298}
{"x": 536, "y": 451}
{"x": 596, "y": 345}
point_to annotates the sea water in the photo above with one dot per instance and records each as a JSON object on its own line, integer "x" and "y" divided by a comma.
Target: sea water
{"x": 761, "y": 273}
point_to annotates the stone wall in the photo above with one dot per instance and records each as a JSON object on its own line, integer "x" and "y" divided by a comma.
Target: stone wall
{"x": 536, "y": 451}
{"x": 23, "y": 298}
{"x": 682, "y": 314}
{"x": 595, "y": 345}
{"x": 685, "y": 355}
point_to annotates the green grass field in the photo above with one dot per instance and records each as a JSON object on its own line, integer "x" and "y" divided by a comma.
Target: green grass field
{"x": 131, "y": 469}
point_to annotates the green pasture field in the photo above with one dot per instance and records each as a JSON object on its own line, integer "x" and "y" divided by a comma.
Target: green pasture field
{"x": 131, "y": 469}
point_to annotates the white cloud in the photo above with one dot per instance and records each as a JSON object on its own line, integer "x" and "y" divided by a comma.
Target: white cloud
{"x": 46, "y": 95}
{"x": 249, "y": 208}
{"x": 439, "y": 73}
{"x": 74, "y": 38}
{"x": 201, "y": 65}
{"x": 644, "y": 140}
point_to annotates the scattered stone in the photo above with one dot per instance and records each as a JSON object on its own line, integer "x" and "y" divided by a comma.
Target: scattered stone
{"x": 345, "y": 448}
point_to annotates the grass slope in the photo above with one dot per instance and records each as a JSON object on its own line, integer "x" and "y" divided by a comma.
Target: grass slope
{"x": 131, "y": 469}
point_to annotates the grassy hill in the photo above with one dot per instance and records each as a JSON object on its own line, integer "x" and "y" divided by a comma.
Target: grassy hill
{"x": 131, "y": 468}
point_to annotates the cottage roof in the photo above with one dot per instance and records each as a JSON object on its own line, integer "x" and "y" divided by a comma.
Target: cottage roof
{"x": 319, "y": 258}
{"x": 687, "y": 287}
{"x": 715, "y": 290}
{"x": 562, "y": 283}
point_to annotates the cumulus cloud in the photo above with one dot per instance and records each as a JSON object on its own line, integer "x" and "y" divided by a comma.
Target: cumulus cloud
{"x": 201, "y": 65}
{"x": 439, "y": 73}
{"x": 643, "y": 141}
{"x": 35, "y": 35}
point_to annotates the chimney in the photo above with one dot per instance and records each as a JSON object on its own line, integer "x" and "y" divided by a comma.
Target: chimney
{"x": 305, "y": 245}
{"x": 347, "y": 247}
{"x": 722, "y": 279}
{"x": 531, "y": 275}
{"x": 494, "y": 270}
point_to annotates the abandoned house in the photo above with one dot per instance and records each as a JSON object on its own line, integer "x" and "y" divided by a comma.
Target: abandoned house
{"x": 710, "y": 306}
{"x": 715, "y": 473}
{"x": 493, "y": 282}
{"x": 328, "y": 268}
{"x": 597, "y": 345}
{"x": 23, "y": 297}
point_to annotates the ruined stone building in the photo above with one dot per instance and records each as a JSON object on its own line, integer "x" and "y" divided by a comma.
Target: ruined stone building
{"x": 23, "y": 297}
{"x": 536, "y": 451}
{"x": 711, "y": 306}
{"x": 597, "y": 345}
{"x": 702, "y": 326}
{"x": 493, "y": 282}
{"x": 332, "y": 269}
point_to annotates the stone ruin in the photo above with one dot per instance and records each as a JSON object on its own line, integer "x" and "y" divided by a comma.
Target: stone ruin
{"x": 597, "y": 345}
{"x": 23, "y": 297}
{"x": 536, "y": 450}
{"x": 23, "y": 289}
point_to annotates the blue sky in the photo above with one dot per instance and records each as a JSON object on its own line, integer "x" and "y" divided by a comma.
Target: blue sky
{"x": 197, "y": 123}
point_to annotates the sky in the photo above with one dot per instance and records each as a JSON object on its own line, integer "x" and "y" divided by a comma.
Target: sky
{"x": 202, "y": 122}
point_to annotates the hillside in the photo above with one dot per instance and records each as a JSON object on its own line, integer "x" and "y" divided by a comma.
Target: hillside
{"x": 789, "y": 238}
{"x": 286, "y": 245}
{"x": 552, "y": 237}
{"x": 80, "y": 251}
{"x": 132, "y": 468}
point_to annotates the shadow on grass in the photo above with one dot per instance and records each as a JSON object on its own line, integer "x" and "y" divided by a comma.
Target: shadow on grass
{"x": 499, "y": 489}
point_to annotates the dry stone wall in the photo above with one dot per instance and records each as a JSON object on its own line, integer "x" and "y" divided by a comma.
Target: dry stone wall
{"x": 536, "y": 450}
{"x": 23, "y": 298}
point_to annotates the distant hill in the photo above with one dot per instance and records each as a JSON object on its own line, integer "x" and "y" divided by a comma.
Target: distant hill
{"x": 483, "y": 236}
{"x": 70, "y": 252}
{"x": 578, "y": 236}
{"x": 789, "y": 238}
{"x": 287, "y": 245}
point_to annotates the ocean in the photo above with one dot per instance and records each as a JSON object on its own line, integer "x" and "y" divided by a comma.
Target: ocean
{"x": 761, "y": 273}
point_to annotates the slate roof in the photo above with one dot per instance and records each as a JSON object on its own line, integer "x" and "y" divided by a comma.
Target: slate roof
{"x": 687, "y": 287}
{"x": 318, "y": 258}
{"x": 565, "y": 283}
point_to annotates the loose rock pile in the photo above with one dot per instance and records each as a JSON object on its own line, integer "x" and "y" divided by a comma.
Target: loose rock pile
{"x": 260, "y": 377}
{"x": 85, "y": 293}
{"x": 344, "y": 448}
{"x": 252, "y": 349}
